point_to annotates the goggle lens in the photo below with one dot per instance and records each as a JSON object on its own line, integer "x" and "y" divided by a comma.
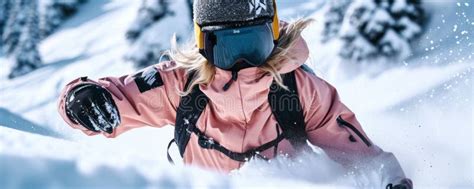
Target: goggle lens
{"x": 253, "y": 44}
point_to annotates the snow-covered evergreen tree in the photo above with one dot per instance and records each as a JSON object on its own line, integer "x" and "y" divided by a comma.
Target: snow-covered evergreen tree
{"x": 333, "y": 18}
{"x": 149, "y": 13}
{"x": 381, "y": 28}
{"x": 21, "y": 36}
{"x": 13, "y": 26}
{"x": 4, "y": 13}
{"x": 56, "y": 11}
{"x": 156, "y": 22}
{"x": 190, "y": 7}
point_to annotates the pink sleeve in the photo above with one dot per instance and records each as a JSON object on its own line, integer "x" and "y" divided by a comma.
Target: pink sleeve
{"x": 323, "y": 109}
{"x": 344, "y": 141}
{"x": 153, "y": 105}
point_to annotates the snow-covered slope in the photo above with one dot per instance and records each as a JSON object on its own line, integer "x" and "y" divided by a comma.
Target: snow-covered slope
{"x": 421, "y": 110}
{"x": 37, "y": 161}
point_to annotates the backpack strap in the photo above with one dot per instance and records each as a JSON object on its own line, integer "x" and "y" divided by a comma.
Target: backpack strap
{"x": 286, "y": 108}
{"x": 209, "y": 143}
{"x": 188, "y": 112}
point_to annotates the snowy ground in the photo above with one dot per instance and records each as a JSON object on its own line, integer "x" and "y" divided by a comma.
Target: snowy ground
{"x": 422, "y": 110}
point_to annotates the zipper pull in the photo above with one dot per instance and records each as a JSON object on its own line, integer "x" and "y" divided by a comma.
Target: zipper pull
{"x": 235, "y": 74}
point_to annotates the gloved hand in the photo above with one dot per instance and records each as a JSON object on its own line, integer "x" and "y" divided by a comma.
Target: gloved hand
{"x": 93, "y": 107}
{"x": 404, "y": 184}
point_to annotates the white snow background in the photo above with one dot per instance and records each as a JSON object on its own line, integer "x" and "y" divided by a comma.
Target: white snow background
{"x": 421, "y": 110}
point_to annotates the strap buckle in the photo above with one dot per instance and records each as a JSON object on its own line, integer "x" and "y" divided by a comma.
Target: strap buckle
{"x": 189, "y": 131}
{"x": 207, "y": 143}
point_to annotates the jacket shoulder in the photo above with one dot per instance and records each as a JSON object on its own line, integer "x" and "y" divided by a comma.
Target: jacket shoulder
{"x": 313, "y": 91}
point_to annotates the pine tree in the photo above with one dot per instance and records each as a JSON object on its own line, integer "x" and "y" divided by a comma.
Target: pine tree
{"x": 149, "y": 13}
{"x": 333, "y": 18}
{"x": 381, "y": 28}
{"x": 21, "y": 37}
{"x": 4, "y": 13}
{"x": 56, "y": 11}
{"x": 13, "y": 26}
{"x": 148, "y": 36}
{"x": 190, "y": 7}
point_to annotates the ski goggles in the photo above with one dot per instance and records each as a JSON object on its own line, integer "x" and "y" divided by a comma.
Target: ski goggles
{"x": 252, "y": 44}
{"x": 235, "y": 45}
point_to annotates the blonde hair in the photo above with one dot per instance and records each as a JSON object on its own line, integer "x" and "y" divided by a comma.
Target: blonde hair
{"x": 189, "y": 58}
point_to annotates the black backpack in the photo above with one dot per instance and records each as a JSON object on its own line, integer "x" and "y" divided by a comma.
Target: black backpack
{"x": 285, "y": 105}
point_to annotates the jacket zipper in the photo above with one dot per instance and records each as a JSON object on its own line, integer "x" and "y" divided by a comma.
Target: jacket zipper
{"x": 343, "y": 122}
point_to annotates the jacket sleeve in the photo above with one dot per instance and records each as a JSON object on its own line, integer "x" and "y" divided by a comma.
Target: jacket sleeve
{"x": 331, "y": 126}
{"x": 147, "y": 98}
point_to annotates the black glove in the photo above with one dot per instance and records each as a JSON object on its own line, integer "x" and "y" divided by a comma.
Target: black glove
{"x": 93, "y": 107}
{"x": 404, "y": 184}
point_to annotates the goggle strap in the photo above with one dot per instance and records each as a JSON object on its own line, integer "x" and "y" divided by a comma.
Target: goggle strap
{"x": 276, "y": 23}
{"x": 199, "y": 36}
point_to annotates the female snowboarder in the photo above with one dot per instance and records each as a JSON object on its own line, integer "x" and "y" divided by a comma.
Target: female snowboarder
{"x": 241, "y": 91}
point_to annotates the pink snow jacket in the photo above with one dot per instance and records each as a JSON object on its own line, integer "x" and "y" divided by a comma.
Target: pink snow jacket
{"x": 240, "y": 118}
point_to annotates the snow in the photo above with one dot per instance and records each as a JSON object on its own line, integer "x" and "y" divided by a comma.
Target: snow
{"x": 411, "y": 28}
{"x": 398, "y": 5}
{"x": 60, "y": 163}
{"x": 420, "y": 109}
{"x": 157, "y": 36}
